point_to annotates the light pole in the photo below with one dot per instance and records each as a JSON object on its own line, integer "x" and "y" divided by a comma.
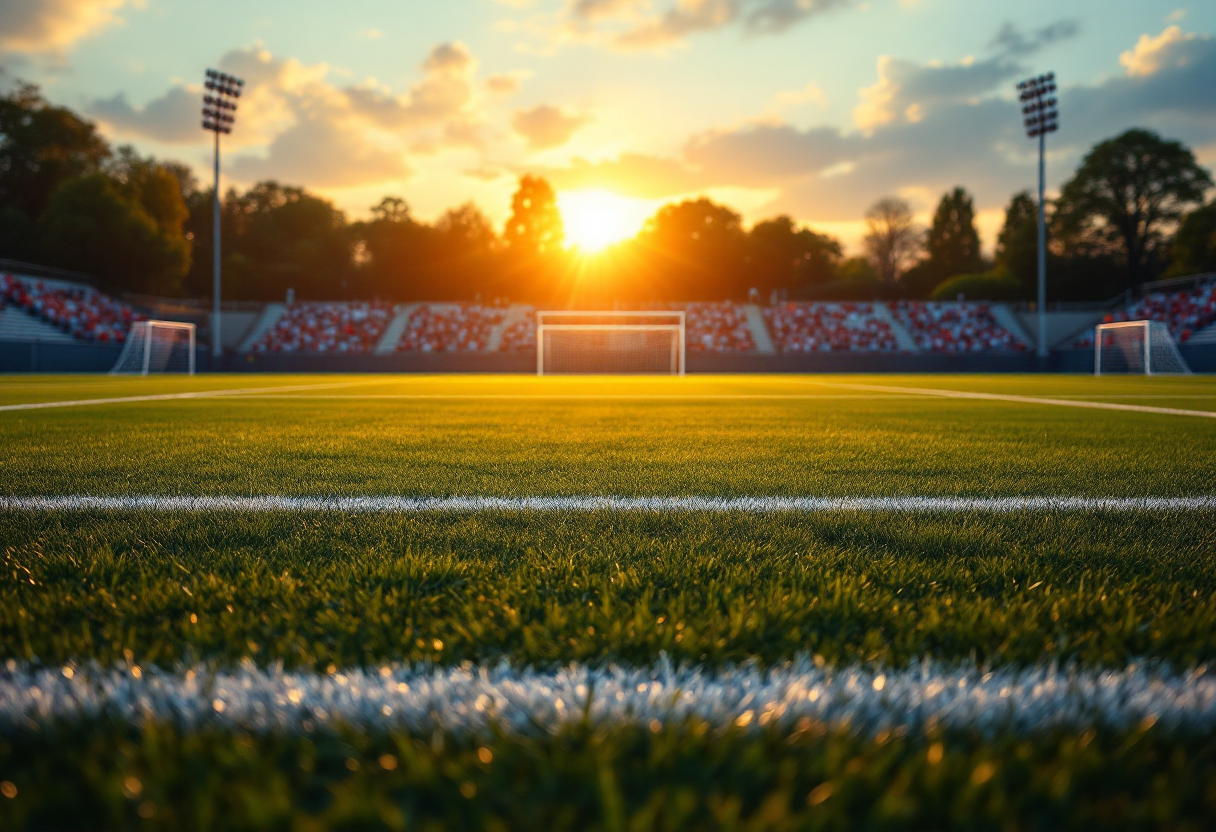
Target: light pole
{"x": 1041, "y": 117}
{"x": 219, "y": 114}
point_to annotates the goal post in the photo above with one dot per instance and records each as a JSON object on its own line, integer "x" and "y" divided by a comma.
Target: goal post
{"x": 1137, "y": 347}
{"x": 157, "y": 347}
{"x": 626, "y": 343}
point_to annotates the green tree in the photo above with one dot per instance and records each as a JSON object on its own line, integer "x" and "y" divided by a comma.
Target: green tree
{"x": 41, "y": 147}
{"x": 392, "y": 253}
{"x": 1017, "y": 246}
{"x": 535, "y": 226}
{"x": 1126, "y": 196}
{"x": 97, "y": 224}
{"x": 695, "y": 250}
{"x": 1194, "y": 247}
{"x": 953, "y": 245}
{"x": 784, "y": 256}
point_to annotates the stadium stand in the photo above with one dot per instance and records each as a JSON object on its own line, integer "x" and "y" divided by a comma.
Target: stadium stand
{"x": 955, "y": 327}
{"x": 450, "y": 328}
{"x": 327, "y": 327}
{"x": 1186, "y": 313}
{"x": 829, "y": 327}
{"x": 519, "y": 334}
{"x": 717, "y": 327}
{"x": 80, "y": 311}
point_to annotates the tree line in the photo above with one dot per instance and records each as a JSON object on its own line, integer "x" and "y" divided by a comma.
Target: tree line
{"x": 1133, "y": 211}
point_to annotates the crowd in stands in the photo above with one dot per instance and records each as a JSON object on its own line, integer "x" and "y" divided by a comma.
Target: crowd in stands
{"x": 450, "y": 328}
{"x": 717, "y": 327}
{"x": 1186, "y": 313}
{"x": 328, "y": 327}
{"x": 955, "y": 327}
{"x": 824, "y": 327}
{"x": 81, "y": 312}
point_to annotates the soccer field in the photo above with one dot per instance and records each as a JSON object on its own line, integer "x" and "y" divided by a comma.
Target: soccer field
{"x": 727, "y": 602}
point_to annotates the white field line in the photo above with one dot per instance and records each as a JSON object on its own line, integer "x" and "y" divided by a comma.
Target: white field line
{"x": 589, "y": 396}
{"x": 1003, "y": 397}
{"x": 477, "y": 700}
{"x": 660, "y": 505}
{"x": 201, "y": 394}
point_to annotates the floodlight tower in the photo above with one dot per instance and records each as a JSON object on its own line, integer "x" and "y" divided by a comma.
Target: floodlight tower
{"x": 1041, "y": 117}
{"x": 219, "y": 114}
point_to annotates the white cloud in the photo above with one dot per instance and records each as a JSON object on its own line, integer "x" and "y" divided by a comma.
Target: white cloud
{"x": 48, "y": 25}
{"x": 1151, "y": 54}
{"x": 546, "y": 127}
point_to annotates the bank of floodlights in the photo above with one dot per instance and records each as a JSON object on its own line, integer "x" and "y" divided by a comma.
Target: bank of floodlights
{"x": 219, "y": 102}
{"x": 219, "y": 115}
{"x": 1041, "y": 116}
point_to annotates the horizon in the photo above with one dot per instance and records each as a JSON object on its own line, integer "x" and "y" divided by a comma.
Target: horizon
{"x": 610, "y": 98}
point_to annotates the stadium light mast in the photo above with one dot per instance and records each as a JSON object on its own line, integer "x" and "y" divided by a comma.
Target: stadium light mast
{"x": 219, "y": 114}
{"x": 1041, "y": 117}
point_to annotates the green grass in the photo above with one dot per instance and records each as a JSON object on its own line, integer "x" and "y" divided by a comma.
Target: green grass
{"x": 313, "y": 590}
{"x": 316, "y": 590}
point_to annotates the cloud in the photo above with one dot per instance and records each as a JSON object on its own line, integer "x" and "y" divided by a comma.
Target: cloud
{"x": 1010, "y": 40}
{"x": 324, "y": 154}
{"x": 505, "y": 84}
{"x": 1151, "y": 54}
{"x": 908, "y": 90}
{"x": 47, "y": 25}
{"x": 631, "y": 174}
{"x": 173, "y": 118}
{"x": 634, "y": 25}
{"x": 546, "y": 127}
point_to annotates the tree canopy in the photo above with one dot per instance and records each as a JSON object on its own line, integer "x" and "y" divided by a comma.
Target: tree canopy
{"x": 1124, "y": 198}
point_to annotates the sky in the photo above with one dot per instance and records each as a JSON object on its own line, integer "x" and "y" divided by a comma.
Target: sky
{"x": 812, "y": 108}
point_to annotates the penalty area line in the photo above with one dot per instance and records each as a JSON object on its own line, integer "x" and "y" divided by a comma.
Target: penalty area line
{"x": 160, "y": 397}
{"x": 1005, "y": 397}
{"x": 556, "y": 504}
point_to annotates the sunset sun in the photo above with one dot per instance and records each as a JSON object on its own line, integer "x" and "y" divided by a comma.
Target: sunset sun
{"x": 595, "y": 220}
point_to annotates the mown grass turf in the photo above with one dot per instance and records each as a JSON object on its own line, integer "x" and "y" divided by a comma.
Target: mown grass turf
{"x": 316, "y": 590}
{"x": 678, "y": 777}
{"x": 320, "y": 589}
{"x": 561, "y": 436}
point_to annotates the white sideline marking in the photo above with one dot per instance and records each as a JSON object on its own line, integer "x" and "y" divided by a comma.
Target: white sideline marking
{"x": 201, "y": 394}
{"x": 662, "y": 505}
{"x": 1004, "y": 397}
{"x": 478, "y": 700}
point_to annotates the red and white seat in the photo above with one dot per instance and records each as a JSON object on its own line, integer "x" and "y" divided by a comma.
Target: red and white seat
{"x": 717, "y": 327}
{"x": 450, "y": 328}
{"x": 328, "y": 327}
{"x": 80, "y": 311}
{"x": 1186, "y": 313}
{"x": 829, "y": 327}
{"x": 955, "y": 327}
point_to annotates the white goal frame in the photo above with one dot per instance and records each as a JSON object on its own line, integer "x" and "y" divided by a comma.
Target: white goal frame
{"x": 1149, "y": 329}
{"x": 655, "y": 321}
{"x": 145, "y": 360}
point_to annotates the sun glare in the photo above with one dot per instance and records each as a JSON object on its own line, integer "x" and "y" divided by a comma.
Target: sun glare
{"x": 594, "y": 220}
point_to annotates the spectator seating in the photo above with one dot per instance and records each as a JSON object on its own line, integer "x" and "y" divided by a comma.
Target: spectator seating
{"x": 328, "y": 327}
{"x": 955, "y": 327}
{"x": 80, "y": 311}
{"x": 829, "y": 327}
{"x": 520, "y": 335}
{"x": 1186, "y": 313}
{"x": 450, "y": 328}
{"x": 717, "y": 327}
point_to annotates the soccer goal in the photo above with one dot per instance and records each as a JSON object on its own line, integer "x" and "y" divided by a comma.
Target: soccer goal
{"x": 1143, "y": 347}
{"x": 157, "y": 347}
{"x": 610, "y": 342}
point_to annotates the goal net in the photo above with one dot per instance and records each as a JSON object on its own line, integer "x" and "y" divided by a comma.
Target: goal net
{"x": 1143, "y": 347}
{"x": 610, "y": 342}
{"x": 157, "y": 347}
